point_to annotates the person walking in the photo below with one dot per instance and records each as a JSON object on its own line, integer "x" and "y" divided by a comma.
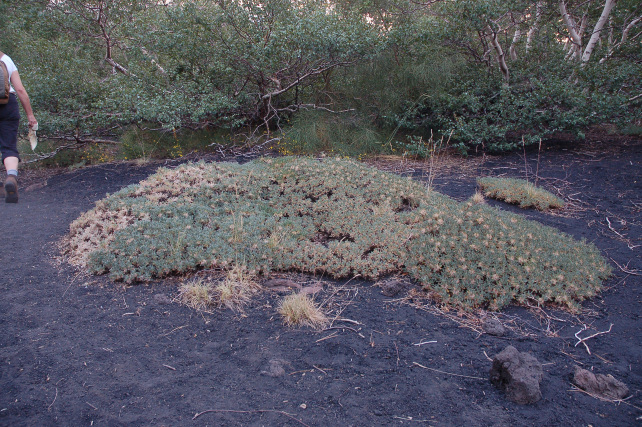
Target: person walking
{"x": 9, "y": 121}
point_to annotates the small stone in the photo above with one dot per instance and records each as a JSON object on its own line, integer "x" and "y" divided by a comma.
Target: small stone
{"x": 518, "y": 374}
{"x": 281, "y": 285}
{"x": 494, "y": 327}
{"x": 311, "y": 290}
{"x": 303, "y": 406}
{"x": 394, "y": 287}
{"x": 274, "y": 368}
{"x": 162, "y": 299}
{"x": 605, "y": 386}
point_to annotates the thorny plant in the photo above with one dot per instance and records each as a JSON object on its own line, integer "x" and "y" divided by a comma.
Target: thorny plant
{"x": 333, "y": 217}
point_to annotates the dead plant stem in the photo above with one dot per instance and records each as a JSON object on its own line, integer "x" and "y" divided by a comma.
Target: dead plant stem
{"x": 448, "y": 373}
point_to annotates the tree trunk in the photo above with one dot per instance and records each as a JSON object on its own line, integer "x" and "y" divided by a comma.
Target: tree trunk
{"x": 608, "y": 6}
{"x": 501, "y": 58}
{"x": 513, "y": 50}
{"x": 535, "y": 27}
{"x": 571, "y": 27}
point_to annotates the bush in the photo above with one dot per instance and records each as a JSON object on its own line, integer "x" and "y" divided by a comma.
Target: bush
{"x": 314, "y": 132}
{"x": 520, "y": 192}
{"x": 332, "y": 217}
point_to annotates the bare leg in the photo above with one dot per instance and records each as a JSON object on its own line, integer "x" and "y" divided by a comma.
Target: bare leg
{"x": 11, "y": 163}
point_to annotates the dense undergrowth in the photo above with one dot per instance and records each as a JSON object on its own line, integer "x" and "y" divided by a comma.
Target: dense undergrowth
{"x": 336, "y": 218}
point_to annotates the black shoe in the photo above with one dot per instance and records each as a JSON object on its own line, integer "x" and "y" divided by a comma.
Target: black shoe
{"x": 11, "y": 189}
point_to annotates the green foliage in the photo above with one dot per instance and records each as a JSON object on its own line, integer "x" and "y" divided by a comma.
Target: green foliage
{"x": 394, "y": 64}
{"x": 141, "y": 143}
{"x": 541, "y": 104}
{"x": 332, "y": 217}
{"x": 334, "y": 134}
{"x": 519, "y": 191}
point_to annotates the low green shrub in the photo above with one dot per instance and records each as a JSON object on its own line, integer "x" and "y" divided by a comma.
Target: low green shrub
{"x": 333, "y": 217}
{"x": 519, "y": 191}
{"x": 314, "y": 132}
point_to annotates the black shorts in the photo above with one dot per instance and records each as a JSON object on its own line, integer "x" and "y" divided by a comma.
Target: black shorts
{"x": 9, "y": 120}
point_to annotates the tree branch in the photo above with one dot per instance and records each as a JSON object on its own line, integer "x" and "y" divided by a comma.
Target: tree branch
{"x": 313, "y": 72}
{"x": 625, "y": 35}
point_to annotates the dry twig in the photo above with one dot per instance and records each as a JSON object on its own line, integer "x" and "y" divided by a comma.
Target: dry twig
{"x": 419, "y": 344}
{"x": 448, "y": 373}
{"x": 626, "y": 270}
{"x": 604, "y": 399}
{"x": 583, "y": 340}
{"x": 256, "y": 411}
{"x": 54, "y": 401}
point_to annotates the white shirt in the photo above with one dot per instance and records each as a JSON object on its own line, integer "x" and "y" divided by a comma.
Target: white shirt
{"x": 11, "y": 67}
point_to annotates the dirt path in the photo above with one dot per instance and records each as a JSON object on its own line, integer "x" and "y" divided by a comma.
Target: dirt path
{"x": 76, "y": 350}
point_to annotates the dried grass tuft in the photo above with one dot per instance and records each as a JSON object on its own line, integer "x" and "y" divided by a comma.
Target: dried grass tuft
{"x": 196, "y": 294}
{"x": 235, "y": 290}
{"x": 478, "y": 198}
{"x": 300, "y": 309}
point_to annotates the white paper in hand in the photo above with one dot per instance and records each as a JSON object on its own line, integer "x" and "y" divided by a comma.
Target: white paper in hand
{"x": 33, "y": 139}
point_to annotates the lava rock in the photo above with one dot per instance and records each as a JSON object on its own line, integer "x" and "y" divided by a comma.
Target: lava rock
{"x": 311, "y": 290}
{"x": 162, "y": 299}
{"x": 281, "y": 285}
{"x": 275, "y": 368}
{"x": 518, "y": 374}
{"x": 494, "y": 327}
{"x": 393, "y": 288}
{"x": 601, "y": 385}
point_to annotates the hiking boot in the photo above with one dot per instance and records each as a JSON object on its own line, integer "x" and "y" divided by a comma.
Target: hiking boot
{"x": 11, "y": 189}
{"x": 3, "y": 194}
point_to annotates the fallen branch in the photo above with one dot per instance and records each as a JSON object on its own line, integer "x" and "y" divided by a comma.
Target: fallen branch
{"x": 583, "y": 340}
{"x": 257, "y": 411}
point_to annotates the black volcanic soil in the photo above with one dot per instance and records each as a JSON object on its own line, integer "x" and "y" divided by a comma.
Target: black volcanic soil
{"x": 78, "y": 350}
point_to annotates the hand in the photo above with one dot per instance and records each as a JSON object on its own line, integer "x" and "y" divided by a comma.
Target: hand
{"x": 32, "y": 121}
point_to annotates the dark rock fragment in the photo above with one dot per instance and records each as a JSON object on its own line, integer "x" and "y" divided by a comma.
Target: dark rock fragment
{"x": 392, "y": 288}
{"x": 281, "y": 285}
{"x": 161, "y": 299}
{"x": 518, "y": 374}
{"x": 494, "y": 327}
{"x": 275, "y": 368}
{"x": 311, "y": 290}
{"x": 600, "y": 385}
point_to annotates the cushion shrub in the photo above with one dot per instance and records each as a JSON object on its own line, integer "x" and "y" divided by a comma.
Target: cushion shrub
{"x": 519, "y": 191}
{"x": 334, "y": 217}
